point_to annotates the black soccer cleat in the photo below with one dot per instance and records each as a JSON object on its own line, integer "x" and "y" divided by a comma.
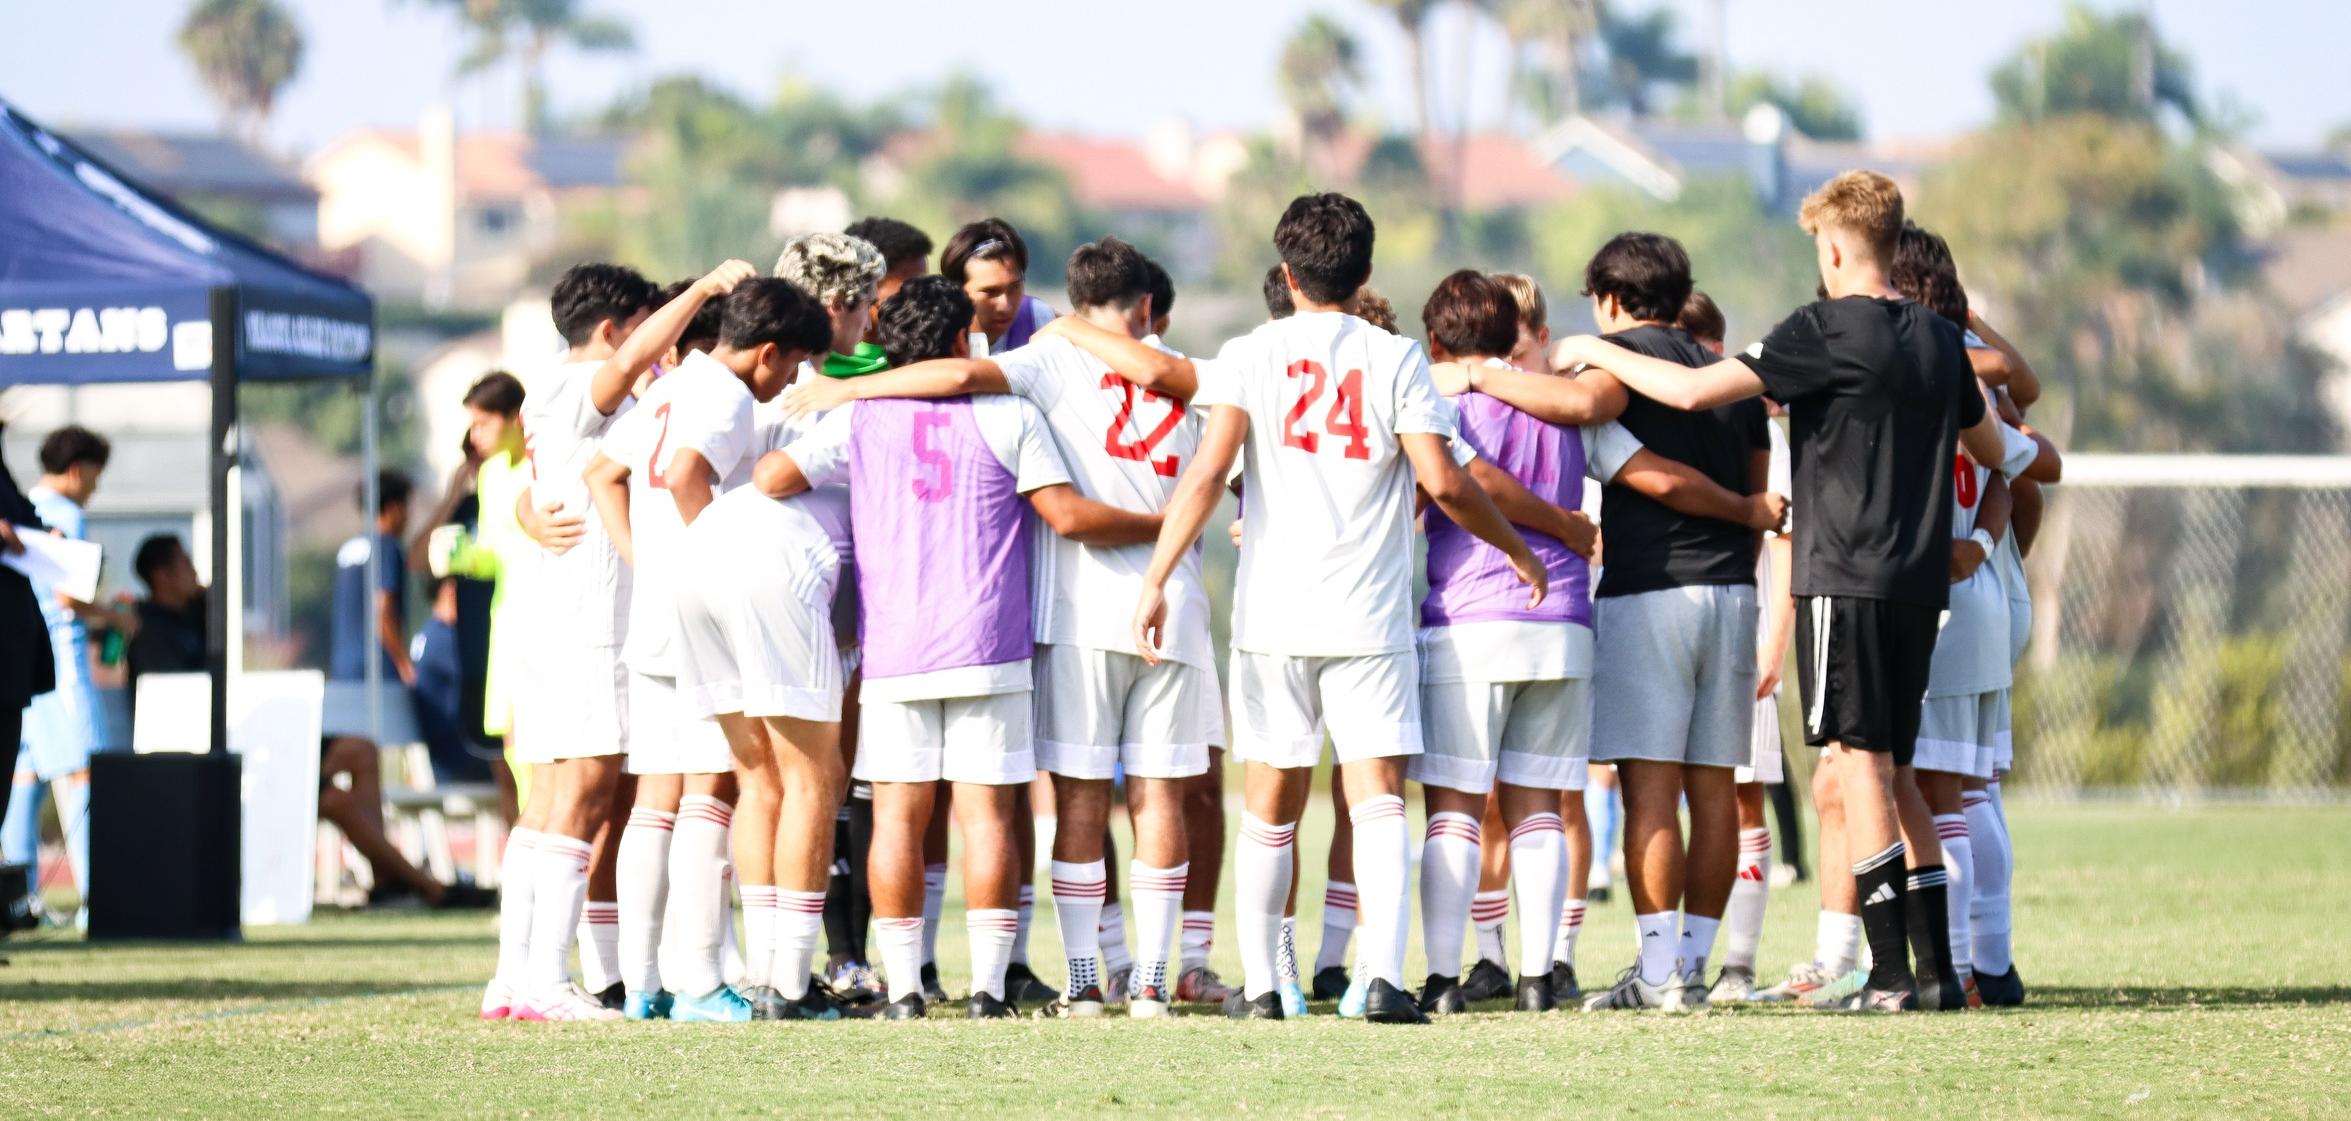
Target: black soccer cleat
{"x": 1266, "y": 1007}
{"x": 1384, "y": 1003}
{"x": 1597, "y": 896}
{"x": 1486, "y": 981}
{"x": 1535, "y": 994}
{"x": 820, "y": 1002}
{"x": 1563, "y": 984}
{"x": 1331, "y": 983}
{"x": 766, "y": 1003}
{"x": 1021, "y": 986}
{"x": 1940, "y": 994}
{"x": 985, "y": 1006}
{"x": 908, "y": 1007}
{"x": 932, "y": 990}
{"x": 1440, "y": 996}
{"x": 2005, "y": 990}
{"x": 615, "y": 996}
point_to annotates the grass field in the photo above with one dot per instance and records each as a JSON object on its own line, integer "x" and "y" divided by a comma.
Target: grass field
{"x": 2181, "y": 963}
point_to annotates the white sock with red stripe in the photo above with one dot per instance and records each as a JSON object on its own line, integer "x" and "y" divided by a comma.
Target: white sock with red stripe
{"x": 1489, "y": 912}
{"x": 643, "y": 873}
{"x": 934, "y": 906}
{"x": 1959, "y": 868}
{"x": 759, "y": 933}
{"x": 1742, "y": 919}
{"x": 1261, "y": 887}
{"x": 992, "y": 932}
{"x": 698, "y": 911}
{"x": 1112, "y": 933}
{"x": 799, "y": 916}
{"x": 1448, "y": 879}
{"x": 1538, "y": 872}
{"x": 1990, "y": 873}
{"x": 1159, "y": 898}
{"x": 1024, "y": 917}
{"x": 599, "y": 945}
{"x": 1078, "y": 892}
{"x": 561, "y": 869}
{"x": 901, "y": 943}
{"x": 1339, "y": 912}
{"x": 1571, "y": 926}
{"x": 516, "y": 880}
{"x": 1383, "y": 880}
{"x": 1199, "y": 935}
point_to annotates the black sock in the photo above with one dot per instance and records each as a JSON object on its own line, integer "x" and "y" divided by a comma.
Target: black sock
{"x": 1880, "y": 879}
{"x": 1790, "y": 822}
{"x": 836, "y": 894}
{"x": 860, "y": 897}
{"x": 1929, "y": 918}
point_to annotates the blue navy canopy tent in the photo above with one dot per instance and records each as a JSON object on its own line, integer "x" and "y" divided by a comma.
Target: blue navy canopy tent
{"x": 105, "y": 281}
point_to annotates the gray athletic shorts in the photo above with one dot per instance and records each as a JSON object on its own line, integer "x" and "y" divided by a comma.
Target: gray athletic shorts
{"x": 1673, "y": 677}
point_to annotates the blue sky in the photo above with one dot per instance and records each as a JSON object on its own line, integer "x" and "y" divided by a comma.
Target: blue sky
{"x": 1116, "y": 67}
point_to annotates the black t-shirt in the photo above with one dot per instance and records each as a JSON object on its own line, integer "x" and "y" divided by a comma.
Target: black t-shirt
{"x": 1877, "y": 392}
{"x": 1651, "y": 547}
{"x": 168, "y": 641}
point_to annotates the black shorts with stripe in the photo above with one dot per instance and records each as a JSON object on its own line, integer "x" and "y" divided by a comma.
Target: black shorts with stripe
{"x": 1862, "y": 666}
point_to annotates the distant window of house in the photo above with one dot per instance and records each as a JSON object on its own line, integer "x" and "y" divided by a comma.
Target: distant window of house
{"x": 497, "y": 221}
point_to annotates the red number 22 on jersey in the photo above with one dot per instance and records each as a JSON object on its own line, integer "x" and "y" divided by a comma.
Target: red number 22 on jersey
{"x": 1115, "y": 441}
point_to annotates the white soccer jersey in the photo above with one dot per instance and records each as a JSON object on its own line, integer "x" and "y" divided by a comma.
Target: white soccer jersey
{"x": 1327, "y": 544}
{"x": 700, "y": 406}
{"x": 583, "y": 595}
{"x": 1972, "y": 653}
{"x": 1124, "y": 447}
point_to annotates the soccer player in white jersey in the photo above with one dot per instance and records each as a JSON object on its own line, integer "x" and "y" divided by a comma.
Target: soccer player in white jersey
{"x": 1122, "y": 428}
{"x": 1339, "y": 420}
{"x": 570, "y": 719}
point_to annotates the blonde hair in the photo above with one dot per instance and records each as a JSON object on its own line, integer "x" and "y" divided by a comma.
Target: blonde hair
{"x": 1533, "y": 313}
{"x": 1865, "y": 204}
{"x": 834, "y": 268}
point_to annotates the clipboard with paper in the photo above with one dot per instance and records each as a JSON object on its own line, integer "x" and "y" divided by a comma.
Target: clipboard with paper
{"x": 62, "y": 563}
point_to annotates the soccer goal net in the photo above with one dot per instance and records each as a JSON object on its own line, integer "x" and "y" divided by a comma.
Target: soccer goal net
{"x": 2191, "y": 629}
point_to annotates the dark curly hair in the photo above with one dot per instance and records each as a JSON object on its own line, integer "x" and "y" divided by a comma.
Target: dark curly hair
{"x": 923, "y": 320}
{"x": 1278, "y": 304}
{"x": 1326, "y": 240}
{"x": 1472, "y": 315}
{"x": 1924, "y": 271}
{"x": 1162, "y": 289}
{"x": 701, "y": 332}
{"x": 766, "y": 309}
{"x": 1649, "y": 274}
{"x": 71, "y": 446}
{"x": 898, "y": 241}
{"x": 589, "y": 294}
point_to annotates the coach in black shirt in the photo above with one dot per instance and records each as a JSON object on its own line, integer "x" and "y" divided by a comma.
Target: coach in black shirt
{"x": 1878, "y": 390}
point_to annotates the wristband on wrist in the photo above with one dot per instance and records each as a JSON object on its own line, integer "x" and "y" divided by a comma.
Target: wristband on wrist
{"x": 1984, "y": 538}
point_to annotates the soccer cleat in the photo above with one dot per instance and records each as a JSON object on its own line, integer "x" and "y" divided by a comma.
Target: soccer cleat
{"x": 1629, "y": 994}
{"x": 466, "y": 897}
{"x": 766, "y": 1003}
{"x": 1384, "y": 1003}
{"x": 615, "y": 996}
{"x": 1021, "y": 986}
{"x": 908, "y": 1007}
{"x": 1806, "y": 981}
{"x": 498, "y": 1001}
{"x": 820, "y": 1002}
{"x": 1486, "y": 981}
{"x": 1149, "y": 1003}
{"x": 1084, "y": 1004}
{"x": 1267, "y": 1006}
{"x": 1563, "y": 984}
{"x": 855, "y": 982}
{"x": 1441, "y": 996}
{"x": 1686, "y": 992}
{"x": 1871, "y": 1000}
{"x": 1597, "y": 895}
{"x": 1114, "y": 988}
{"x": 1734, "y": 985}
{"x": 721, "y": 1005}
{"x": 932, "y": 990}
{"x": 1536, "y": 994}
{"x": 985, "y": 1006}
{"x": 564, "y": 1004}
{"x": 1998, "y": 990}
{"x": 1351, "y": 1001}
{"x": 1330, "y": 984}
{"x": 647, "y": 1006}
{"x": 1293, "y": 997}
{"x": 1201, "y": 985}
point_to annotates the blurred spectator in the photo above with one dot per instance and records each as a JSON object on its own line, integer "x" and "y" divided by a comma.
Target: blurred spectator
{"x": 370, "y": 591}
{"x": 27, "y": 669}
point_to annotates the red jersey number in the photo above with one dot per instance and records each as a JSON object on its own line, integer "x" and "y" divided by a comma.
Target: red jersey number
{"x": 1345, "y": 417}
{"x": 653, "y": 473}
{"x": 1115, "y": 441}
{"x": 1963, "y": 482}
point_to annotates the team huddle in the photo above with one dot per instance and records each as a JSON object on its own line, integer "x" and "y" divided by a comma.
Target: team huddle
{"x": 822, "y": 562}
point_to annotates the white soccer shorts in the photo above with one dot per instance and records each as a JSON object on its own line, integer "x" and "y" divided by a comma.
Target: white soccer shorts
{"x": 574, "y": 704}
{"x": 1767, "y": 764}
{"x": 1534, "y": 734}
{"x": 1958, "y": 735}
{"x": 986, "y": 740}
{"x": 1100, "y": 709}
{"x": 668, "y": 740}
{"x": 1281, "y": 704}
{"x": 754, "y": 642}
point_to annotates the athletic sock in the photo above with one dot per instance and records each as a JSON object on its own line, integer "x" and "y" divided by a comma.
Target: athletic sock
{"x": 934, "y": 905}
{"x": 1111, "y": 933}
{"x": 1078, "y": 892}
{"x": 1261, "y": 886}
{"x": 642, "y": 869}
{"x": 860, "y": 849}
{"x": 599, "y": 945}
{"x": 1743, "y": 917}
{"x": 1697, "y": 944}
{"x": 1022, "y": 919}
{"x": 1489, "y": 912}
{"x": 1159, "y": 898}
{"x": 1571, "y": 925}
{"x": 799, "y": 915}
{"x": 836, "y": 888}
{"x": 1448, "y": 880}
{"x": 992, "y": 932}
{"x": 1199, "y": 937}
{"x": 1836, "y": 946}
{"x": 1879, "y": 880}
{"x": 1987, "y": 894}
{"x": 730, "y": 954}
{"x": 1340, "y": 909}
{"x": 1538, "y": 872}
{"x": 516, "y": 879}
{"x": 1285, "y": 953}
{"x": 697, "y": 914}
{"x": 1383, "y": 877}
{"x": 1661, "y": 942}
{"x": 1959, "y": 871}
{"x": 1926, "y": 911}
{"x": 561, "y": 870}
{"x": 900, "y": 941}
{"x": 759, "y": 934}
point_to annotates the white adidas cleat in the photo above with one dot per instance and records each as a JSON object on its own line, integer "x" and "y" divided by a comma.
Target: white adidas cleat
{"x": 1629, "y": 994}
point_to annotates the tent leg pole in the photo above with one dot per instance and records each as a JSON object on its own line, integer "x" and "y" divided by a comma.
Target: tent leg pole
{"x": 221, "y": 456}
{"x": 373, "y": 665}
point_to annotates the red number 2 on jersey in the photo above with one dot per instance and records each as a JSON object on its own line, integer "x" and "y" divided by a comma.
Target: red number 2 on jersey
{"x": 653, "y": 473}
{"x": 1115, "y": 441}
{"x": 1963, "y": 481}
{"x": 1344, "y": 419}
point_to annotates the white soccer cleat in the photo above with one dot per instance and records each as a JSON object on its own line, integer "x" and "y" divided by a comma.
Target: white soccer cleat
{"x": 1686, "y": 993}
{"x": 498, "y": 1000}
{"x": 1629, "y": 994}
{"x": 1734, "y": 985}
{"x": 564, "y": 1004}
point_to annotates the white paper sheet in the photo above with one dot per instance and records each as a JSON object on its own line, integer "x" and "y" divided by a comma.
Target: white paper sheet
{"x": 68, "y": 565}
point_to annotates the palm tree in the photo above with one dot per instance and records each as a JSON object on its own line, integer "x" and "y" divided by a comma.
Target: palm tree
{"x": 245, "y": 51}
{"x": 524, "y": 31}
{"x": 1412, "y": 18}
{"x": 1558, "y": 30}
{"x": 1321, "y": 64}
{"x": 1644, "y": 52}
